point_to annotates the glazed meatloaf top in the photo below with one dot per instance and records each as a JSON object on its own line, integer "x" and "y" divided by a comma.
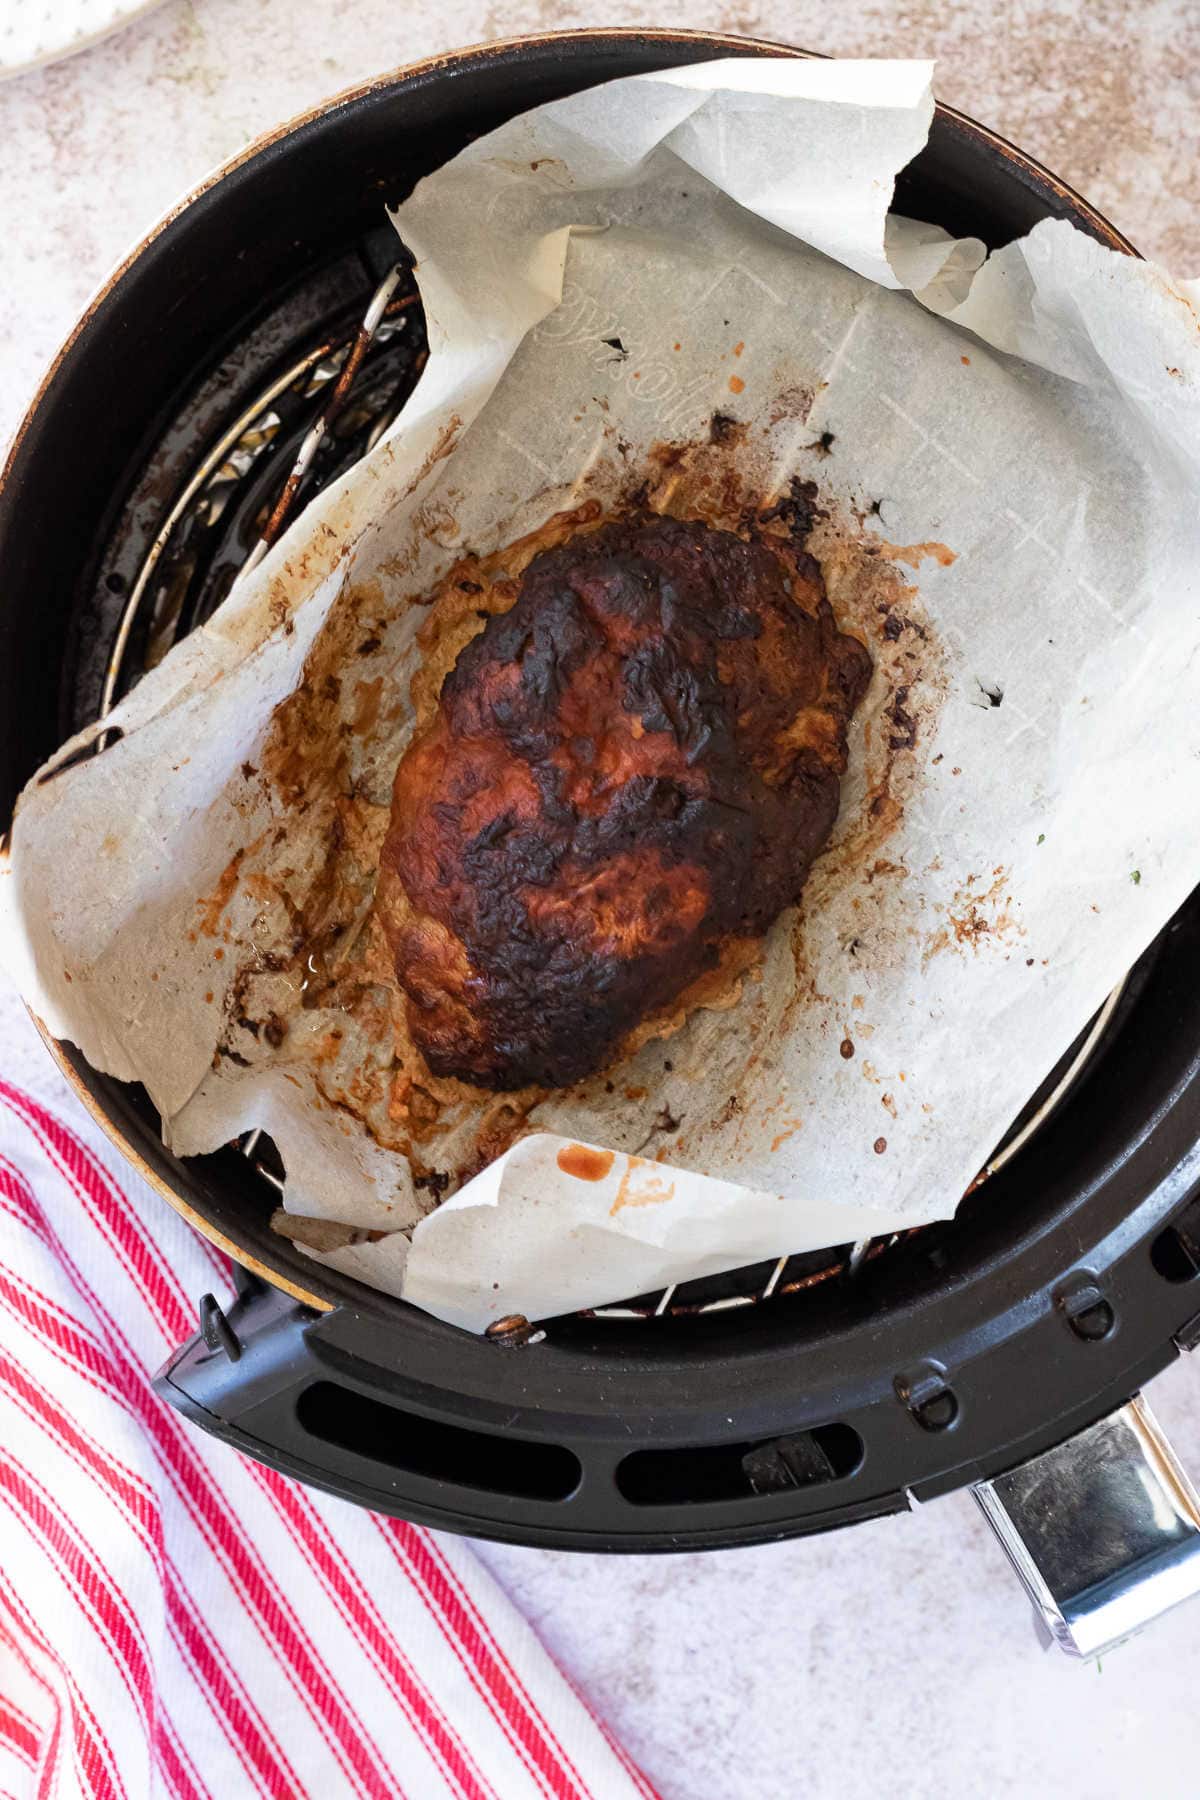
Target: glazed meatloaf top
{"x": 628, "y": 777}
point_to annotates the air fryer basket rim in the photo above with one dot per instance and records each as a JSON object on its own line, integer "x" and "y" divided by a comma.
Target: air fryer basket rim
{"x": 757, "y": 1381}
{"x": 274, "y": 141}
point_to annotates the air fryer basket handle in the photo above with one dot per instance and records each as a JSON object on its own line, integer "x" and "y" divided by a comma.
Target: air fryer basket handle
{"x": 1103, "y": 1530}
{"x": 239, "y": 1374}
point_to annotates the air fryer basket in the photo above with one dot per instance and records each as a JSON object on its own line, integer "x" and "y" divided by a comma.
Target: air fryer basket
{"x": 1064, "y": 1283}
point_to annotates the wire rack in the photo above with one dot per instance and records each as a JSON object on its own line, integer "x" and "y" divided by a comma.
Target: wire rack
{"x": 343, "y": 378}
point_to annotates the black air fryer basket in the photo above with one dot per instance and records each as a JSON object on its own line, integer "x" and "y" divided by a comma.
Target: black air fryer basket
{"x": 1003, "y": 1350}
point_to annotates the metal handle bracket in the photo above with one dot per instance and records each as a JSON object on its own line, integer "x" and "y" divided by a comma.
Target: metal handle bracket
{"x": 1103, "y": 1530}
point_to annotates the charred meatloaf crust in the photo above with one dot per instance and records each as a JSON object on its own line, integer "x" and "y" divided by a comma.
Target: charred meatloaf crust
{"x": 629, "y": 773}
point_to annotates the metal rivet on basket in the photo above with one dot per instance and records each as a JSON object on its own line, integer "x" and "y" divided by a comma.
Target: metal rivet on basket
{"x": 1084, "y": 1307}
{"x": 513, "y": 1330}
{"x": 928, "y": 1397}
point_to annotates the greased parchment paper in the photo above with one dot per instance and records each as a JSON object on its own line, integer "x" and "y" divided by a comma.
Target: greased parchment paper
{"x": 685, "y": 285}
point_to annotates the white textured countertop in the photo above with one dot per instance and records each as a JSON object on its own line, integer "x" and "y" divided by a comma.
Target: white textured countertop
{"x": 897, "y": 1659}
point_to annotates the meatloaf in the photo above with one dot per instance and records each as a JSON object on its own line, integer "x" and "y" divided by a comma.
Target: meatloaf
{"x": 627, "y": 779}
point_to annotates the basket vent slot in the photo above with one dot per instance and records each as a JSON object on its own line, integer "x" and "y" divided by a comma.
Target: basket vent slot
{"x": 1175, "y": 1252}
{"x": 495, "y": 1464}
{"x": 679, "y": 1476}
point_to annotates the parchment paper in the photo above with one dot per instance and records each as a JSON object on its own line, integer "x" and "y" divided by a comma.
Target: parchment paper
{"x": 1008, "y": 513}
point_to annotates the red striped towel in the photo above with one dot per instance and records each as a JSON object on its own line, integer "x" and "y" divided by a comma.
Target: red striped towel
{"x": 176, "y": 1620}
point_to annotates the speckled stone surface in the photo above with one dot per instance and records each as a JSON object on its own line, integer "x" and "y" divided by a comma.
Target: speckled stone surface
{"x": 897, "y": 1659}
{"x": 43, "y": 31}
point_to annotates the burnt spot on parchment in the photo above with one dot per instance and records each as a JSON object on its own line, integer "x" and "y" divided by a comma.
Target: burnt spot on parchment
{"x": 797, "y": 511}
{"x": 904, "y": 725}
{"x": 981, "y": 913}
{"x": 722, "y": 429}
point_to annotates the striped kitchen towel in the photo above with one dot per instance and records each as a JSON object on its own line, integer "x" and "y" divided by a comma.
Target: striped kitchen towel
{"x": 176, "y": 1620}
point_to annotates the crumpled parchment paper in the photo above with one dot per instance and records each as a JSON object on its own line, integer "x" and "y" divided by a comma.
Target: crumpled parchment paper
{"x": 685, "y": 284}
